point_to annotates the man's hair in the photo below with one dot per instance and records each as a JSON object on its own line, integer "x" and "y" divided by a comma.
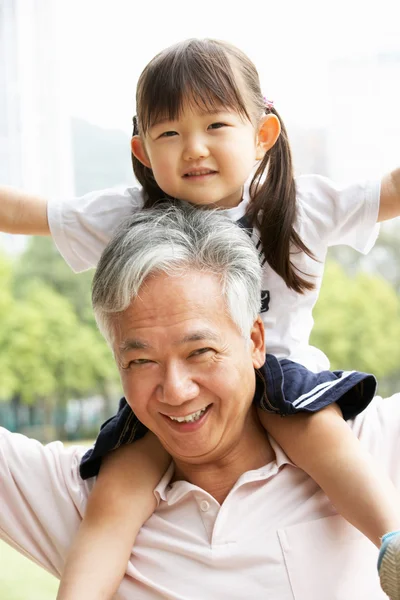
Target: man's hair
{"x": 176, "y": 239}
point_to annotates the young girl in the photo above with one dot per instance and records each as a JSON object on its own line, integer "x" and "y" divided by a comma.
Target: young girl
{"x": 202, "y": 128}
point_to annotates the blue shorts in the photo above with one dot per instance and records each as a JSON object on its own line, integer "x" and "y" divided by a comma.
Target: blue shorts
{"x": 283, "y": 387}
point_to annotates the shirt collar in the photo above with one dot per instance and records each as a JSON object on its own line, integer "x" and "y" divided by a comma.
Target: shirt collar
{"x": 171, "y": 493}
{"x": 238, "y": 211}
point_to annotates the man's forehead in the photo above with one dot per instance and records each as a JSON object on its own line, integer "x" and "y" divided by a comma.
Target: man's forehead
{"x": 174, "y": 307}
{"x": 173, "y": 297}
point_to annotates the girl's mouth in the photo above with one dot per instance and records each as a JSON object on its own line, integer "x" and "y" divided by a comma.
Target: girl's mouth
{"x": 199, "y": 173}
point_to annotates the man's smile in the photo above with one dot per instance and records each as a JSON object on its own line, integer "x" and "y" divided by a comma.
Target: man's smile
{"x": 189, "y": 423}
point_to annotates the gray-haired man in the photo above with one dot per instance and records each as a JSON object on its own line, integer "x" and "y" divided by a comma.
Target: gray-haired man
{"x": 177, "y": 296}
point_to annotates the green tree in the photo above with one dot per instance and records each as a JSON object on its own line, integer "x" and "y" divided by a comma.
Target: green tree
{"x": 42, "y": 262}
{"x": 51, "y": 355}
{"x": 6, "y": 307}
{"x": 357, "y": 322}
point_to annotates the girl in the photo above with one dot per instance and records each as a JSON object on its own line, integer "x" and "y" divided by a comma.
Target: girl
{"x": 202, "y": 126}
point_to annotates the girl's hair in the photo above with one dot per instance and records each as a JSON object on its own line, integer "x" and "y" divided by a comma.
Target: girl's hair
{"x": 209, "y": 74}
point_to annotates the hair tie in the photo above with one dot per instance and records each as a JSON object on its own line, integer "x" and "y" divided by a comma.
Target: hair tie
{"x": 135, "y": 126}
{"x": 268, "y": 103}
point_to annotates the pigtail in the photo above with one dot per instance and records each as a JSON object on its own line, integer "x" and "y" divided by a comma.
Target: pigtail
{"x": 273, "y": 210}
{"x": 152, "y": 192}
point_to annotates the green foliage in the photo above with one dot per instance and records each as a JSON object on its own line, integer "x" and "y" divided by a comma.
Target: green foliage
{"x": 357, "y": 322}
{"x": 41, "y": 261}
{"x": 6, "y": 307}
{"x": 50, "y": 348}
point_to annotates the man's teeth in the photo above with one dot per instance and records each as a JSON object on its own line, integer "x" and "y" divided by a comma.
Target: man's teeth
{"x": 189, "y": 418}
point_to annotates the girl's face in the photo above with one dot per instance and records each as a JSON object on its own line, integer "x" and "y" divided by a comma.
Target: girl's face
{"x": 203, "y": 158}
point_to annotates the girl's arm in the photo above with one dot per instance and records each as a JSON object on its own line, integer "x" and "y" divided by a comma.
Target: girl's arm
{"x": 389, "y": 207}
{"x": 121, "y": 501}
{"x": 22, "y": 213}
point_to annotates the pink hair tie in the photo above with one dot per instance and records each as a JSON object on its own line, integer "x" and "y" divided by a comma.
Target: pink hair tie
{"x": 268, "y": 103}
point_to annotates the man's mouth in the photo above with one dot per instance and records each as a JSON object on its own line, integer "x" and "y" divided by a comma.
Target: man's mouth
{"x": 195, "y": 416}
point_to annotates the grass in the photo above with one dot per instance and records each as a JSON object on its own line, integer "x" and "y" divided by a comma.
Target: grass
{"x": 21, "y": 579}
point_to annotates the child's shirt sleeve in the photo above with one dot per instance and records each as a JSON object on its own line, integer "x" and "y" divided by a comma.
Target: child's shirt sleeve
{"x": 331, "y": 215}
{"x": 81, "y": 227}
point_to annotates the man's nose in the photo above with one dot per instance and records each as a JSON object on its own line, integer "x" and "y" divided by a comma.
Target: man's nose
{"x": 177, "y": 386}
{"x": 195, "y": 148}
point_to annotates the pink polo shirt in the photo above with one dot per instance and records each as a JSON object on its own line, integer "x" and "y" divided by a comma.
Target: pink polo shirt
{"x": 276, "y": 536}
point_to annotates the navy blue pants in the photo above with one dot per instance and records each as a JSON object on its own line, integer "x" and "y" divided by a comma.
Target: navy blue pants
{"x": 282, "y": 387}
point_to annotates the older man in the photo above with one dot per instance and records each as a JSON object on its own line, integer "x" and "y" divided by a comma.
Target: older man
{"x": 177, "y": 295}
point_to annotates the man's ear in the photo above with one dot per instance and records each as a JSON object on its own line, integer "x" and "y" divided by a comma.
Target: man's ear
{"x": 269, "y": 129}
{"x": 257, "y": 340}
{"x": 139, "y": 151}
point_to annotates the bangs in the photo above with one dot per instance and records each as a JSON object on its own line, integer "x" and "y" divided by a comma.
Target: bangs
{"x": 197, "y": 73}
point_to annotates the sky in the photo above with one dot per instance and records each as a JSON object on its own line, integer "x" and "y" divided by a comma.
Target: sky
{"x": 104, "y": 45}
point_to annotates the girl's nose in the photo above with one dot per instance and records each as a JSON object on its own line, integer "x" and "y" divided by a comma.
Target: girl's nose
{"x": 195, "y": 149}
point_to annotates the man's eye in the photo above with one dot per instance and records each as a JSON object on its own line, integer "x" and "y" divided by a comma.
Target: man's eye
{"x": 139, "y": 361}
{"x": 168, "y": 134}
{"x": 201, "y": 351}
{"x": 217, "y": 125}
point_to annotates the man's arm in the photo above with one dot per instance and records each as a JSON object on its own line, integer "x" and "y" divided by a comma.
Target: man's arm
{"x": 42, "y": 498}
{"x": 22, "y": 213}
{"x": 389, "y": 207}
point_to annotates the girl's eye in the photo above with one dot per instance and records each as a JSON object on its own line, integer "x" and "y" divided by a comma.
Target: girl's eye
{"x": 168, "y": 134}
{"x": 217, "y": 125}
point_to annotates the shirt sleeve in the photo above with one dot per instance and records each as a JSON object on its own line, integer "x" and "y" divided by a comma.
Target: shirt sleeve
{"x": 81, "y": 227}
{"x": 331, "y": 215}
{"x": 42, "y": 498}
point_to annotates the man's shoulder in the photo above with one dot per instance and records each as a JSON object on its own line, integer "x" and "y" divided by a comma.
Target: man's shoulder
{"x": 380, "y": 414}
{"x": 378, "y": 427}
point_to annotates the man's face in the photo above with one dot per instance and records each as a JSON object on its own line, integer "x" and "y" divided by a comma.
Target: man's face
{"x": 187, "y": 372}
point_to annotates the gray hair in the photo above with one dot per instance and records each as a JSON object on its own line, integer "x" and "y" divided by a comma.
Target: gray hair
{"x": 173, "y": 238}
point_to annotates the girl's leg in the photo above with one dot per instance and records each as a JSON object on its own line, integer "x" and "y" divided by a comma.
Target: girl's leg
{"x": 121, "y": 501}
{"x": 323, "y": 445}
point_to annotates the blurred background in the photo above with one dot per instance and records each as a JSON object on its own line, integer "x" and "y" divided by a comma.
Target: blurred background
{"x": 68, "y": 72}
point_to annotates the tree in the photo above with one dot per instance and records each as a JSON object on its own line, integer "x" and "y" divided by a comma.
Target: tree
{"x": 49, "y": 354}
{"x": 42, "y": 262}
{"x": 6, "y": 306}
{"x": 357, "y": 322}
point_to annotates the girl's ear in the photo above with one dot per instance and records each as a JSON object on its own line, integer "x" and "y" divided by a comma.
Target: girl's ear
{"x": 269, "y": 129}
{"x": 139, "y": 151}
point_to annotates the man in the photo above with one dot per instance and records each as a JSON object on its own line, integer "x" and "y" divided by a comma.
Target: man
{"x": 177, "y": 295}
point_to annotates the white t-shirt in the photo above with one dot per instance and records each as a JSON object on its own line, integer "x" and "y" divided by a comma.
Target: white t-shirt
{"x": 327, "y": 216}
